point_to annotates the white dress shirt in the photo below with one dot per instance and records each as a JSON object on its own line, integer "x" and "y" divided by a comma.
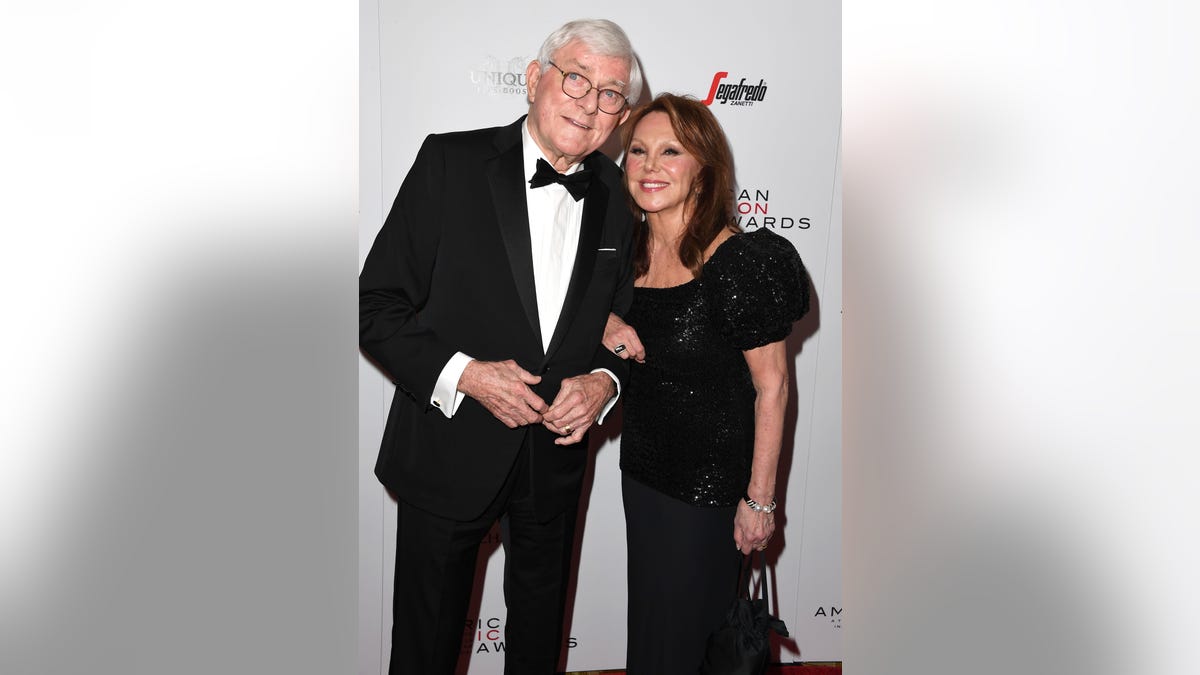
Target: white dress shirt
{"x": 555, "y": 219}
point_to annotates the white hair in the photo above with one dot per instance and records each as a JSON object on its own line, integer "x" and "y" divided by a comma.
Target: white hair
{"x": 602, "y": 37}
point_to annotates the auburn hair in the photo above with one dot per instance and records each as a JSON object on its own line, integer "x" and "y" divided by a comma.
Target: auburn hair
{"x": 710, "y": 197}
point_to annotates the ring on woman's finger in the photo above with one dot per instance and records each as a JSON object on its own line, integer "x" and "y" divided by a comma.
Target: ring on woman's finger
{"x": 569, "y": 430}
{"x": 618, "y": 349}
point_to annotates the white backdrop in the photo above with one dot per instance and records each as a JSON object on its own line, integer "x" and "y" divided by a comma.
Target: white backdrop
{"x": 456, "y": 65}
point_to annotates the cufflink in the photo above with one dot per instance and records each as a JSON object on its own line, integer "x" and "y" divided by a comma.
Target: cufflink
{"x": 437, "y": 402}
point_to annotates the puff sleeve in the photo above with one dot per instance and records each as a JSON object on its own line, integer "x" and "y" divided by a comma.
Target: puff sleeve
{"x": 756, "y": 287}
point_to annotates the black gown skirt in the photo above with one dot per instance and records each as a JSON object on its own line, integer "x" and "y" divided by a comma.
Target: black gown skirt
{"x": 683, "y": 573}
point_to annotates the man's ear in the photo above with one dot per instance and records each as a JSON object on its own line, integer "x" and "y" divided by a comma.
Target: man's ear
{"x": 533, "y": 73}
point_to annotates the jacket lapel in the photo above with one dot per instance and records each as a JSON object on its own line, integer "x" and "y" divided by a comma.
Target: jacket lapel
{"x": 508, "y": 195}
{"x": 595, "y": 206}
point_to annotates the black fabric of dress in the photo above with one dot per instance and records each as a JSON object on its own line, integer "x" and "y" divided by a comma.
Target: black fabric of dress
{"x": 676, "y": 550}
{"x": 688, "y": 439}
{"x": 689, "y": 409}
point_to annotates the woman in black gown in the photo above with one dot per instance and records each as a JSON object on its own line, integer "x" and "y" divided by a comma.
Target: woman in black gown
{"x": 704, "y": 406}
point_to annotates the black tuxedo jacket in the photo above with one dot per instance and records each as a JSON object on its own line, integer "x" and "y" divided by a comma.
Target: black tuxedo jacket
{"x": 451, "y": 270}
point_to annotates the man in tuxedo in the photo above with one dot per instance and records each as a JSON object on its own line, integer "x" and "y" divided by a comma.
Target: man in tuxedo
{"x": 484, "y": 298}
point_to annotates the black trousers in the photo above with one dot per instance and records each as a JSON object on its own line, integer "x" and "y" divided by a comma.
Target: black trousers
{"x": 435, "y": 572}
{"x": 683, "y": 573}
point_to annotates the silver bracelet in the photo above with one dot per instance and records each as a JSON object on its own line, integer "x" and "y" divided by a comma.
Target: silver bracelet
{"x": 755, "y": 506}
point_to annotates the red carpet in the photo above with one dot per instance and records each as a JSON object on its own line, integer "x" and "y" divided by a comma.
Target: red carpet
{"x": 796, "y": 669}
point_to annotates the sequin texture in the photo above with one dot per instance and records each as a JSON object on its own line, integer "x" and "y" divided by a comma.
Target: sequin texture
{"x": 689, "y": 410}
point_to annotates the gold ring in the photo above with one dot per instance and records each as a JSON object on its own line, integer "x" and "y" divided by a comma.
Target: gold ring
{"x": 569, "y": 429}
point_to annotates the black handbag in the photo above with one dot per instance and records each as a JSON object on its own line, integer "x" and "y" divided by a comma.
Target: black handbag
{"x": 741, "y": 645}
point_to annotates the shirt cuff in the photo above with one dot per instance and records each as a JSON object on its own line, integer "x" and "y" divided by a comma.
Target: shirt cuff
{"x": 612, "y": 401}
{"x": 446, "y": 396}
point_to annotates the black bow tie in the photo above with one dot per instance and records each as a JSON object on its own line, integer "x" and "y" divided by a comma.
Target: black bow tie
{"x": 576, "y": 183}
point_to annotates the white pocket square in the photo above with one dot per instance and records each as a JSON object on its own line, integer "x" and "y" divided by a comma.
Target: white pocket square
{"x": 601, "y": 250}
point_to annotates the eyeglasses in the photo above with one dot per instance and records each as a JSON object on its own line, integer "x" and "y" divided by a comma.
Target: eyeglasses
{"x": 577, "y": 86}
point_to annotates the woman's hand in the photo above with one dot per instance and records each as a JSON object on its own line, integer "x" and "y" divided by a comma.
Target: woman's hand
{"x": 621, "y": 339}
{"x": 752, "y": 529}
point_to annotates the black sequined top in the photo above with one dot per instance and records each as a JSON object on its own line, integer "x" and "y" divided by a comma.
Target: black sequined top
{"x": 689, "y": 409}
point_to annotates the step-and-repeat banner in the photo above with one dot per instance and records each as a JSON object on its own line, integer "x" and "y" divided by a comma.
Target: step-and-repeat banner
{"x": 771, "y": 72}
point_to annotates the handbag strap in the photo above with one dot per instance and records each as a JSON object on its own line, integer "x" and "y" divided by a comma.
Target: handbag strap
{"x": 744, "y": 570}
